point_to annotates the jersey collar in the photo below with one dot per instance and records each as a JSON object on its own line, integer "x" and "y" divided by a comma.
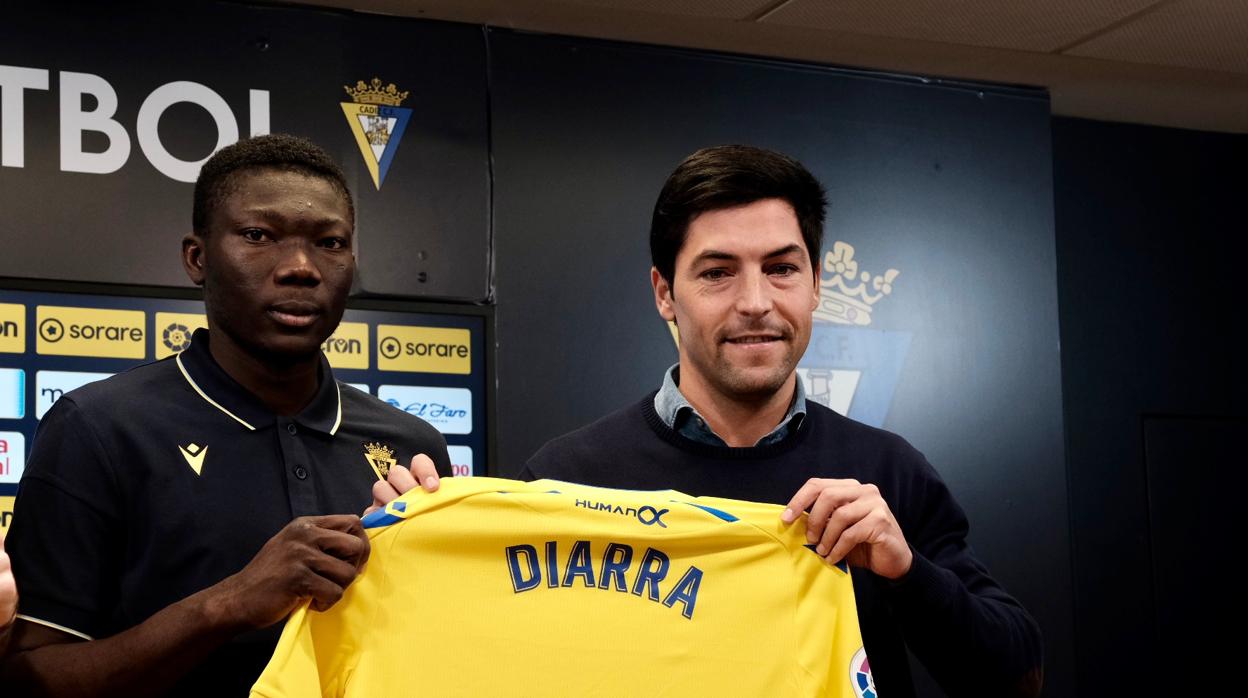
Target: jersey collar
{"x": 217, "y": 388}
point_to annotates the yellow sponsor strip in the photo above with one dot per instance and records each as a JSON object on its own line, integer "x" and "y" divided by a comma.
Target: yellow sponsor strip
{"x": 348, "y": 346}
{"x": 424, "y": 349}
{"x": 173, "y": 332}
{"x": 95, "y": 332}
{"x": 6, "y": 514}
{"x": 12, "y": 328}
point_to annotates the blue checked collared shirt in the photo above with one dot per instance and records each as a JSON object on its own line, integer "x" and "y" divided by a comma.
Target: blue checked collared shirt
{"x": 677, "y": 413}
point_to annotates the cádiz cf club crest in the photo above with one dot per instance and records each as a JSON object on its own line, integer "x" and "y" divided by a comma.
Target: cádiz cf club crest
{"x": 380, "y": 457}
{"x": 378, "y": 122}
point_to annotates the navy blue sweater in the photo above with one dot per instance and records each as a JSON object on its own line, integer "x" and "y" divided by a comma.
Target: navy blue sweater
{"x": 972, "y": 636}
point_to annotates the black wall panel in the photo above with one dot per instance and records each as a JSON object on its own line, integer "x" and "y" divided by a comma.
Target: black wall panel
{"x": 1151, "y": 246}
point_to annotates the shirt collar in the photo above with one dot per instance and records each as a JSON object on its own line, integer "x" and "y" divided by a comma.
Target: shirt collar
{"x": 214, "y": 385}
{"x": 677, "y": 412}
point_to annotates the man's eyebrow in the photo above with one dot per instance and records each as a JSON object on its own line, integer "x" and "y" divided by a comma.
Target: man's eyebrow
{"x": 730, "y": 257}
{"x": 270, "y": 215}
{"x": 787, "y": 249}
{"x": 715, "y": 254}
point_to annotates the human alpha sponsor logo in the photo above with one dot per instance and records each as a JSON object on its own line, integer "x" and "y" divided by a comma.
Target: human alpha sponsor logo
{"x": 12, "y": 393}
{"x": 50, "y": 386}
{"x": 89, "y": 105}
{"x": 461, "y": 460}
{"x": 377, "y": 122}
{"x": 173, "y": 332}
{"x": 12, "y": 328}
{"x": 347, "y": 347}
{"x": 424, "y": 349}
{"x": 449, "y": 410}
{"x": 12, "y": 456}
{"x": 93, "y": 332}
{"x": 647, "y": 515}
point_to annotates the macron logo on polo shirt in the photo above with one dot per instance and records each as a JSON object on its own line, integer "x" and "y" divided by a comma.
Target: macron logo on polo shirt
{"x": 194, "y": 455}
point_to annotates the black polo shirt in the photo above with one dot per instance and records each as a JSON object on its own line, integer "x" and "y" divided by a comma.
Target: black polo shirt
{"x": 161, "y": 481}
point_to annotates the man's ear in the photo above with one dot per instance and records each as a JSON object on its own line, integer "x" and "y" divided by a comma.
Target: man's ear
{"x": 193, "y": 258}
{"x": 662, "y": 295}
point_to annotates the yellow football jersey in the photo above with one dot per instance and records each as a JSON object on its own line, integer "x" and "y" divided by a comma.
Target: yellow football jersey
{"x": 553, "y": 589}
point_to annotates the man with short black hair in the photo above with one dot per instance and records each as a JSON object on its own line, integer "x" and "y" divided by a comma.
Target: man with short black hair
{"x": 735, "y": 239}
{"x": 152, "y": 536}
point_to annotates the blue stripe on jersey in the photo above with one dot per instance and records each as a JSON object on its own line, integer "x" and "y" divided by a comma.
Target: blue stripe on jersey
{"x": 379, "y": 518}
{"x": 842, "y": 565}
{"x": 718, "y": 513}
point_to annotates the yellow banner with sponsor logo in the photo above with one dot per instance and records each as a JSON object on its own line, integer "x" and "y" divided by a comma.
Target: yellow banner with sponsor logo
{"x": 12, "y": 328}
{"x": 424, "y": 349}
{"x": 6, "y": 514}
{"x": 174, "y": 330}
{"x": 109, "y": 334}
{"x": 348, "y": 346}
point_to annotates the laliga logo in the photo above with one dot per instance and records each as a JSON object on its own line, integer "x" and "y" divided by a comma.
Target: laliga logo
{"x": 75, "y": 120}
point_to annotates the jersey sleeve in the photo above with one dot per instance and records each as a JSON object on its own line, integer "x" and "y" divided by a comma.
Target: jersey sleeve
{"x": 66, "y": 540}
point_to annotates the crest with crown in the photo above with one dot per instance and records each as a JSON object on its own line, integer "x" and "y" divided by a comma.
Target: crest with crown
{"x": 847, "y": 295}
{"x": 375, "y": 93}
{"x": 381, "y": 457}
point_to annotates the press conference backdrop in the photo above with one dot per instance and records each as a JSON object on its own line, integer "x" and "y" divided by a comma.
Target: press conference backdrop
{"x": 519, "y": 170}
{"x": 110, "y": 108}
{"x": 430, "y": 365}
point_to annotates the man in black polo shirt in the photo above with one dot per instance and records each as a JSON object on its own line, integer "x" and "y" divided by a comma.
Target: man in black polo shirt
{"x": 153, "y": 538}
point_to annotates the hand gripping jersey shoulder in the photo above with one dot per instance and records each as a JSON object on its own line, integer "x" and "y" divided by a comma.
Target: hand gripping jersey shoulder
{"x": 550, "y": 588}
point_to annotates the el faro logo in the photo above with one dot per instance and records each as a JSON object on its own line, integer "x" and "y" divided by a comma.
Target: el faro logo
{"x": 378, "y": 122}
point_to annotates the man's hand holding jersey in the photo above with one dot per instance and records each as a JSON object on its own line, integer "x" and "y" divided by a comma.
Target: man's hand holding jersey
{"x": 400, "y": 480}
{"x": 850, "y": 521}
{"x": 312, "y": 557}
